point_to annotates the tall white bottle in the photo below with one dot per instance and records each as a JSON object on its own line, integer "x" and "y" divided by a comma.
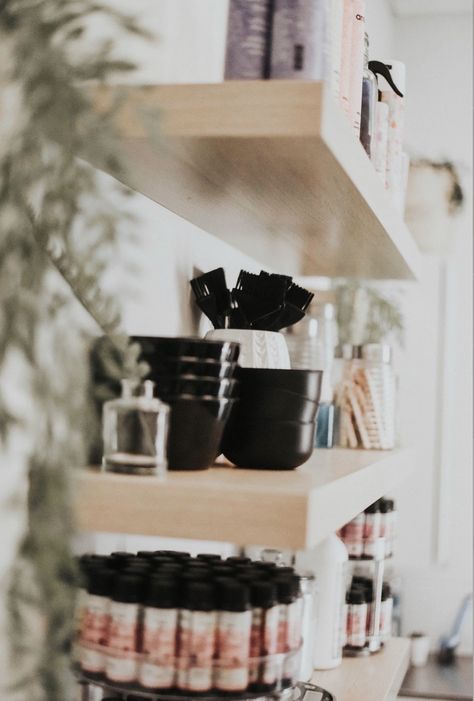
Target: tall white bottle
{"x": 328, "y": 562}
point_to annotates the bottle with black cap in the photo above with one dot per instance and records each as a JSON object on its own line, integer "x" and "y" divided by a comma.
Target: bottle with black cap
{"x": 85, "y": 564}
{"x": 95, "y": 623}
{"x": 118, "y": 560}
{"x": 211, "y": 558}
{"x": 286, "y": 599}
{"x": 177, "y": 554}
{"x": 121, "y": 662}
{"x": 196, "y": 635}
{"x": 233, "y": 636}
{"x": 386, "y": 613}
{"x": 145, "y": 554}
{"x": 264, "y": 635}
{"x": 160, "y": 627}
{"x": 238, "y": 560}
{"x": 393, "y": 518}
{"x": 357, "y": 618}
{"x": 371, "y": 529}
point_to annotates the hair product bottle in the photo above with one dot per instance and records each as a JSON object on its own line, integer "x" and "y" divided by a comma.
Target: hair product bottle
{"x": 121, "y": 662}
{"x": 160, "y": 623}
{"x": 196, "y": 637}
{"x": 328, "y": 562}
{"x": 233, "y": 637}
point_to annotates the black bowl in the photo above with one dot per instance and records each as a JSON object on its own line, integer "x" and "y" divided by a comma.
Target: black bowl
{"x": 167, "y": 385}
{"x": 268, "y": 445}
{"x": 204, "y": 367}
{"x": 195, "y": 431}
{"x": 154, "y": 347}
{"x": 274, "y": 405}
{"x": 307, "y": 383}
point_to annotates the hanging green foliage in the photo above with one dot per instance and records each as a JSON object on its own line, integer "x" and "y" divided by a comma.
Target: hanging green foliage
{"x": 366, "y": 314}
{"x": 57, "y": 229}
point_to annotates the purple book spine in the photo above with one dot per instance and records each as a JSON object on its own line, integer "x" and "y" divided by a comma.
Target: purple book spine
{"x": 248, "y": 39}
{"x": 299, "y": 42}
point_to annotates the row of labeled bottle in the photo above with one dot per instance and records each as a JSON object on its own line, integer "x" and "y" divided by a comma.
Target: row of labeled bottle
{"x": 326, "y": 40}
{"x": 166, "y": 621}
{"x": 362, "y": 534}
{"x": 359, "y": 610}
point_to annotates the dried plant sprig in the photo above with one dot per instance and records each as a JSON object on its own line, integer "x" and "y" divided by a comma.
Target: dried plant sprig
{"x": 45, "y": 194}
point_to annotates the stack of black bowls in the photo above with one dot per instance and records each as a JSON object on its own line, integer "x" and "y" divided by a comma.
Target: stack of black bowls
{"x": 197, "y": 379}
{"x": 273, "y": 424}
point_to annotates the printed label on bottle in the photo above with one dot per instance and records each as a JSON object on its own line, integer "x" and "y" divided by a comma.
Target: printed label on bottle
{"x": 156, "y": 676}
{"x": 80, "y": 608}
{"x": 96, "y": 620}
{"x": 121, "y": 667}
{"x": 294, "y": 624}
{"x": 196, "y": 648}
{"x": 233, "y": 647}
{"x": 354, "y": 535}
{"x": 123, "y": 626}
{"x": 256, "y": 643}
{"x": 159, "y": 646}
{"x": 357, "y": 618}
{"x": 270, "y": 644}
{"x": 282, "y": 637}
{"x": 91, "y": 660}
{"x": 123, "y": 641}
{"x": 371, "y": 533}
{"x": 370, "y": 608}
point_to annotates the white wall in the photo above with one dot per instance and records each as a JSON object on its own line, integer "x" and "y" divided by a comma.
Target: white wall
{"x": 435, "y": 545}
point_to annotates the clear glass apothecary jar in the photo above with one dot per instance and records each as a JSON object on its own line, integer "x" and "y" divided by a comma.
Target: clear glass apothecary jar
{"x": 135, "y": 431}
{"x": 366, "y": 398}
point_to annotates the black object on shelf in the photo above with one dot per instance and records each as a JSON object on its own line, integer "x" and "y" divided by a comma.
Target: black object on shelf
{"x": 265, "y": 302}
{"x": 196, "y": 378}
{"x": 273, "y": 424}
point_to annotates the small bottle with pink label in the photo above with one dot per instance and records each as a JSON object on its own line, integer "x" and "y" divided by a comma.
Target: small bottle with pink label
{"x": 160, "y": 627}
{"x": 95, "y": 620}
{"x": 287, "y": 623}
{"x": 371, "y": 529}
{"x": 353, "y": 536}
{"x": 123, "y": 639}
{"x": 264, "y": 636}
{"x": 357, "y": 618}
{"x": 233, "y": 637}
{"x": 196, "y": 636}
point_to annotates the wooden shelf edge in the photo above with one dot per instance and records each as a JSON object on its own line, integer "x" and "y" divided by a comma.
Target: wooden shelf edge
{"x": 294, "y": 509}
{"x": 375, "y": 678}
{"x": 204, "y": 135}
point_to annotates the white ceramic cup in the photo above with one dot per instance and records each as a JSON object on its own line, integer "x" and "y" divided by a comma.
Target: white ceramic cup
{"x": 258, "y": 349}
{"x": 420, "y": 649}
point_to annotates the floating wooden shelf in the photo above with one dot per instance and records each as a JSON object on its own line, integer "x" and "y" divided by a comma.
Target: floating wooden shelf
{"x": 273, "y": 167}
{"x": 294, "y": 509}
{"x": 375, "y": 678}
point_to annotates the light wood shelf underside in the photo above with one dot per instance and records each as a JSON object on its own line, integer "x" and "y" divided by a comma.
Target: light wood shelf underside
{"x": 293, "y": 509}
{"x": 376, "y": 678}
{"x": 272, "y": 167}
